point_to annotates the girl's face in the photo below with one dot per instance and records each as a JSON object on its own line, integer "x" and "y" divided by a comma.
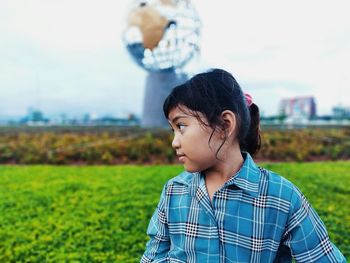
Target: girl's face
{"x": 191, "y": 141}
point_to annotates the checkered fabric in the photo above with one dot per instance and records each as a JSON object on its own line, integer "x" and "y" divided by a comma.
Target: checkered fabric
{"x": 257, "y": 216}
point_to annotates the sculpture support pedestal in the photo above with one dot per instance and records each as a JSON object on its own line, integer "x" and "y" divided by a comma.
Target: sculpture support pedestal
{"x": 158, "y": 87}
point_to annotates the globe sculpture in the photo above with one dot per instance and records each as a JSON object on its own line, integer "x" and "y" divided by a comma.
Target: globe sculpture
{"x": 161, "y": 36}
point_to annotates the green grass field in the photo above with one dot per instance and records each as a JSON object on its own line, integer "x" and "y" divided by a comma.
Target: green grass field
{"x": 100, "y": 213}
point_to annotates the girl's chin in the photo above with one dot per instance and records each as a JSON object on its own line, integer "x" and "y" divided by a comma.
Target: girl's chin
{"x": 194, "y": 167}
{"x": 191, "y": 169}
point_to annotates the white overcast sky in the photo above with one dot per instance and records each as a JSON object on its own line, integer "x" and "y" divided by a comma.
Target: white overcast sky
{"x": 68, "y": 56}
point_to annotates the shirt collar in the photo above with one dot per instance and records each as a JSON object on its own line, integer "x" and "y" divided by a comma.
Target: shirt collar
{"x": 247, "y": 178}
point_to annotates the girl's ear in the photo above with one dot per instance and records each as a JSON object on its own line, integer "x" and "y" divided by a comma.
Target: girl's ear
{"x": 229, "y": 122}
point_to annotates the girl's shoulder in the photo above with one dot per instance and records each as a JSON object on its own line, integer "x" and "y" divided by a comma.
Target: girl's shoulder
{"x": 275, "y": 180}
{"x": 177, "y": 185}
{"x": 184, "y": 183}
{"x": 183, "y": 178}
{"x": 276, "y": 185}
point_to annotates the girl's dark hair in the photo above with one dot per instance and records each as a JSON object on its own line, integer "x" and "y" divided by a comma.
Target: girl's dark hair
{"x": 211, "y": 93}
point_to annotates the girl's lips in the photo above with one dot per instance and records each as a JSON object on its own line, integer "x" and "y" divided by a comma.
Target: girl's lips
{"x": 182, "y": 158}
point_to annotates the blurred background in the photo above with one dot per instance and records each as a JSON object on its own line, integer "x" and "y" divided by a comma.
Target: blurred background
{"x": 68, "y": 59}
{"x": 84, "y": 147}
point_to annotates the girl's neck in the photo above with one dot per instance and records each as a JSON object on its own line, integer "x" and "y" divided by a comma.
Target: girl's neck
{"x": 217, "y": 176}
{"x": 226, "y": 168}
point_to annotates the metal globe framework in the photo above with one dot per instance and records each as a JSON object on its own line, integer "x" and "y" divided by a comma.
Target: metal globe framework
{"x": 171, "y": 30}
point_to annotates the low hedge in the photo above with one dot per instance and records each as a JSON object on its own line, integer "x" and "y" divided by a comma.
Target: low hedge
{"x": 115, "y": 146}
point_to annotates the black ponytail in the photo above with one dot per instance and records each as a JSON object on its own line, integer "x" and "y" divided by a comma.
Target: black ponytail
{"x": 252, "y": 142}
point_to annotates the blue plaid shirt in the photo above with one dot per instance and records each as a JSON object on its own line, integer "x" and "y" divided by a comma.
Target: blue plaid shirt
{"x": 257, "y": 216}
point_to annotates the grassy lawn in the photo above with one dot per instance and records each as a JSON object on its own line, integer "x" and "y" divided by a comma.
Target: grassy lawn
{"x": 100, "y": 213}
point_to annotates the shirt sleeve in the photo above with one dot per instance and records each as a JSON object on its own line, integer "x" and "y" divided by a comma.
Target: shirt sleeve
{"x": 158, "y": 246}
{"x": 306, "y": 235}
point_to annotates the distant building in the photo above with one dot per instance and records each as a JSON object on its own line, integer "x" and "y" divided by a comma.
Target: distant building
{"x": 34, "y": 117}
{"x": 298, "y": 108}
{"x": 341, "y": 113}
{"x": 116, "y": 121}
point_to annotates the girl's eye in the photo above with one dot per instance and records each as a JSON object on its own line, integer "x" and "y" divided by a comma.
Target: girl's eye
{"x": 181, "y": 126}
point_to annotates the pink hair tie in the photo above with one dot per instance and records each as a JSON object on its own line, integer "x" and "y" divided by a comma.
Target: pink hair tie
{"x": 249, "y": 99}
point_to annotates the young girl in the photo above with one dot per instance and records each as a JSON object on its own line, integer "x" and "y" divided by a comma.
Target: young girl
{"x": 224, "y": 208}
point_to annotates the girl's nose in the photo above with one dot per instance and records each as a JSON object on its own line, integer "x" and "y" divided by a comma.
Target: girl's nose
{"x": 175, "y": 143}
